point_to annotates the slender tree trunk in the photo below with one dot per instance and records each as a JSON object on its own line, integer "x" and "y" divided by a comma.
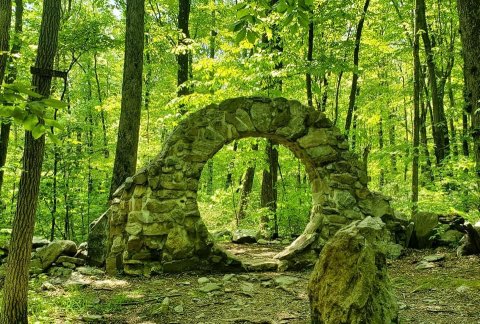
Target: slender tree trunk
{"x": 183, "y": 56}
{"x": 148, "y": 81}
{"x": 356, "y": 52}
{"x": 381, "y": 179}
{"x": 440, "y": 130}
{"x": 106, "y": 152}
{"x": 231, "y": 165}
{"x": 211, "y": 55}
{"x": 469, "y": 15}
{"x": 269, "y": 193}
{"x": 427, "y": 169}
{"x": 337, "y": 94}
{"x": 323, "y": 106}
{"x": 452, "y": 124}
{"x": 247, "y": 185}
{"x": 14, "y": 304}
{"x": 129, "y": 127}
{"x": 465, "y": 134}
{"x": 5, "y": 20}
{"x": 416, "y": 107}
{"x": 391, "y": 139}
{"x": 310, "y": 60}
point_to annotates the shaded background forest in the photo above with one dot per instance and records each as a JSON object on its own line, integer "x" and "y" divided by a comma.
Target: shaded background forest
{"x": 228, "y": 51}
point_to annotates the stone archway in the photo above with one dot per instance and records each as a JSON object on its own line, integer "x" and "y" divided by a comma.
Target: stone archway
{"x": 154, "y": 224}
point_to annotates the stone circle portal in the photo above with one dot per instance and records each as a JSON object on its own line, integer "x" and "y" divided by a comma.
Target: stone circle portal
{"x": 154, "y": 225}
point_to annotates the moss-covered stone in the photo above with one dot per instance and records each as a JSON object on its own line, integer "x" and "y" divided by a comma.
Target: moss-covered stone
{"x": 349, "y": 283}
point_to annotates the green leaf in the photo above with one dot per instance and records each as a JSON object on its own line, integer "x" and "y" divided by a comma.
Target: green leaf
{"x": 238, "y": 26}
{"x": 53, "y": 138}
{"x": 19, "y": 114}
{"x": 303, "y": 19}
{"x": 243, "y": 13}
{"x": 38, "y": 131}
{"x": 54, "y": 103}
{"x": 251, "y": 36}
{"x": 288, "y": 19}
{"x": 30, "y": 122}
{"x": 282, "y": 6}
{"x": 241, "y": 35}
{"x": 53, "y": 123}
{"x": 18, "y": 87}
{"x": 6, "y": 111}
{"x": 37, "y": 107}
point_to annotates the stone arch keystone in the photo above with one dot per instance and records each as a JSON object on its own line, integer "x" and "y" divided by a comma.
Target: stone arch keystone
{"x": 154, "y": 225}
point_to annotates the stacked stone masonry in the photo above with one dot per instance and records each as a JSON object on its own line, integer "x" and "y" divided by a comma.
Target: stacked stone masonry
{"x": 154, "y": 224}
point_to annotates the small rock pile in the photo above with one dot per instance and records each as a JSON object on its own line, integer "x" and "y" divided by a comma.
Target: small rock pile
{"x": 58, "y": 258}
{"x": 433, "y": 230}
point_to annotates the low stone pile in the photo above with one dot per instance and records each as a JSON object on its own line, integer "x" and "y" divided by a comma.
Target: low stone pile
{"x": 58, "y": 258}
{"x": 432, "y": 230}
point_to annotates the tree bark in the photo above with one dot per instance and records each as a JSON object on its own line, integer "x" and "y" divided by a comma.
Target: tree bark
{"x": 308, "y": 77}
{"x": 269, "y": 193}
{"x": 129, "y": 127}
{"x": 416, "y": 106}
{"x": 427, "y": 169}
{"x": 465, "y": 135}
{"x": 440, "y": 129}
{"x": 356, "y": 52}
{"x": 247, "y": 185}
{"x": 469, "y": 15}
{"x": 14, "y": 305}
{"x": 183, "y": 56}
{"x": 5, "y": 20}
{"x": 381, "y": 180}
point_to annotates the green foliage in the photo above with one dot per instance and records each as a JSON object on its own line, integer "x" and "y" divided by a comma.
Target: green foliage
{"x": 76, "y": 176}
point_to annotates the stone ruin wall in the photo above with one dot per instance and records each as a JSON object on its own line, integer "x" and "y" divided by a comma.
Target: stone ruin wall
{"x": 154, "y": 225}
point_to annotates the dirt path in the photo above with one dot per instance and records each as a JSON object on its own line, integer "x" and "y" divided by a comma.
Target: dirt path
{"x": 449, "y": 293}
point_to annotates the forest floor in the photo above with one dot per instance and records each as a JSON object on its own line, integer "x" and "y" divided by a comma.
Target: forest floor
{"x": 448, "y": 293}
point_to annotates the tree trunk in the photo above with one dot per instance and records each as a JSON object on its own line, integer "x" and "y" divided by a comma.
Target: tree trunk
{"x": 247, "y": 185}
{"x": 427, "y": 169}
{"x": 14, "y": 305}
{"x": 106, "y": 152}
{"x": 231, "y": 165}
{"x": 356, "y": 52}
{"x": 469, "y": 15}
{"x": 391, "y": 138}
{"x": 416, "y": 106}
{"x": 440, "y": 129}
{"x": 5, "y": 20}
{"x": 148, "y": 81}
{"x": 310, "y": 60}
{"x": 183, "y": 56}
{"x": 465, "y": 131}
{"x": 381, "y": 180}
{"x": 129, "y": 127}
{"x": 268, "y": 198}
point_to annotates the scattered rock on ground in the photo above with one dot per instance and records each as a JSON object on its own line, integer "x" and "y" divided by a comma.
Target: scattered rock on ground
{"x": 245, "y": 236}
{"x": 90, "y": 271}
{"x": 209, "y": 287}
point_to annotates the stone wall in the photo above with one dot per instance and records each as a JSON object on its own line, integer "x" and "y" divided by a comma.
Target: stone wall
{"x": 154, "y": 224}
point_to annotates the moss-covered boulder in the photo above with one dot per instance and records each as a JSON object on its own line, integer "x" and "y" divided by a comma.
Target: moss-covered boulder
{"x": 349, "y": 283}
{"x": 50, "y": 253}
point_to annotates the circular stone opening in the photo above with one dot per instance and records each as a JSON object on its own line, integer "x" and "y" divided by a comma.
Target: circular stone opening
{"x": 233, "y": 199}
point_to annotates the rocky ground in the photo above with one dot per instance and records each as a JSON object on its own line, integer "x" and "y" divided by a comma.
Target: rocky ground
{"x": 445, "y": 289}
